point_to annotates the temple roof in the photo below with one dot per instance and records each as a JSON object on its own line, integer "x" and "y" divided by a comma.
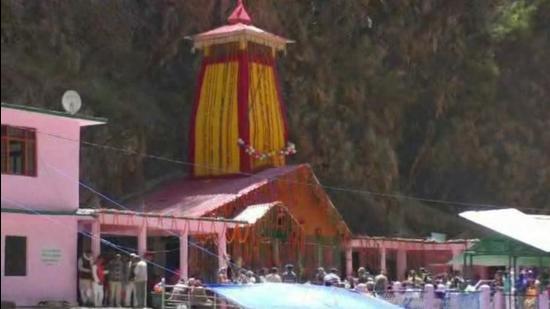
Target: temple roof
{"x": 239, "y": 28}
{"x": 198, "y": 197}
{"x": 201, "y": 197}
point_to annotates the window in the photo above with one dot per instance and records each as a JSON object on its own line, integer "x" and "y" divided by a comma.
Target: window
{"x": 15, "y": 263}
{"x": 18, "y": 151}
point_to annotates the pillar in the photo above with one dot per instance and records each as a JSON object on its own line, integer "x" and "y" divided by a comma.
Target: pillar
{"x": 319, "y": 254}
{"x": 429, "y": 296}
{"x": 362, "y": 258}
{"x": 485, "y": 297}
{"x": 383, "y": 259}
{"x": 349, "y": 261}
{"x": 184, "y": 255}
{"x": 498, "y": 299}
{"x": 456, "y": 252}
{"x": 142, "y": 241}
{"x": 96, "y": 239}
{"x": 276, "y": 255}
{"x": 222, "y": 249}
{"x": 401, "y": 263}
{"x": 543, "y": 300}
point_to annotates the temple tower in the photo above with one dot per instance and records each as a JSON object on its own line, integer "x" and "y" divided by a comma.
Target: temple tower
{"x": 238, "y": 121}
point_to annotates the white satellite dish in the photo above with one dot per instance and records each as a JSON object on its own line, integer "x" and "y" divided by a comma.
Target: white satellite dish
{"x": 71, "y": 102}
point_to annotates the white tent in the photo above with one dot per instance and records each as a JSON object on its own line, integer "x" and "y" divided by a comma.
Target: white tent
{"x": 533, "y": 230}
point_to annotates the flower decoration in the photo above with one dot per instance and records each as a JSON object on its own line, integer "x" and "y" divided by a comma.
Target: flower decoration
{"x": 290, "y": 149}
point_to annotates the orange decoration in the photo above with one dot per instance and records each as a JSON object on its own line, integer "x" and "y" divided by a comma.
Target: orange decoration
{"x": 235, "y": 232}
{"x": 243, "y": 240}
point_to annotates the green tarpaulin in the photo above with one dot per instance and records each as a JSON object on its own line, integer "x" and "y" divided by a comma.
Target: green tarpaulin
{"x": 498, "y": 250}
{"x": 500, "y": 260}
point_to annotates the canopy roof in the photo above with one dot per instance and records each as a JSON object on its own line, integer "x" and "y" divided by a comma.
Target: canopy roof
{"x": 505, "y": 246}
{"x": 282, "y": 295}
{"x": 501, "y": 260}
{"x": 532, "y": 230}
{"x": 239, "y": 28}
{"x": 498, "y": 250}
{"x": 253, "y": 213}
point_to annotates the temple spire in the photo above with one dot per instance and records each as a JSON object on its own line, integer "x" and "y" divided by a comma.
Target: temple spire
{"x": 239, "y": 15}
{"x": 238, "y": 122}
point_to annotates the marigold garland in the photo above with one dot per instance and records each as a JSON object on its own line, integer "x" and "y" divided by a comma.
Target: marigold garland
{"x": 243, "y": 240}
{"x": 289, "y": 149}
{"x": 233, "y": 234}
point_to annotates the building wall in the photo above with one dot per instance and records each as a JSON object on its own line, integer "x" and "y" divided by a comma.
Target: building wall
{"x": 44, "y": 280}
{"x": 55, "y": 187}
{"x": 308, "y": 203}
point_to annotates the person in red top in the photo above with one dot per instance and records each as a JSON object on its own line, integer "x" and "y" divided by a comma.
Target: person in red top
{"x": 98, "y": 272}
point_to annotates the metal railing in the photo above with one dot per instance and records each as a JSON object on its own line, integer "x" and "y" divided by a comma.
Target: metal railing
{"x": 517, "y": 301}
{"x": 181, "y": 296}
{"x": 410, "y": 299}
{"x": 459, "y": 299}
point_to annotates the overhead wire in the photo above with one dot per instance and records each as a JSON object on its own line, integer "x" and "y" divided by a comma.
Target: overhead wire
{"x": 129, "y": 152}
{"x": 91, "y": 189}
{"x": 278, "y": 178}
{"x": 86, "y": 234}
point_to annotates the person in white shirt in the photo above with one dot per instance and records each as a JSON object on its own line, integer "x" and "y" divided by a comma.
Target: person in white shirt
{"x": 141, "y": 283}
{"x": 332, "y": 278}
{"x": 98, "y": 273}
{"x": 273, "y": 275}
{"x": 250, "y": 277}
{"x": 381, "y": 283}
{"x": 85, "y": 278}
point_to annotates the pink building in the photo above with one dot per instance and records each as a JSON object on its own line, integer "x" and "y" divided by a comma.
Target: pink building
{"x": 39, "y": 205}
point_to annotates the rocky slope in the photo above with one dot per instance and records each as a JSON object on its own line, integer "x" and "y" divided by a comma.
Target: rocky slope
{"x": 445, "y": 100}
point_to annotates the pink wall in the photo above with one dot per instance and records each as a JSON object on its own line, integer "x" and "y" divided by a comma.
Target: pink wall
{"x": 56, "y": 281}
{"x": 49, "y": 190}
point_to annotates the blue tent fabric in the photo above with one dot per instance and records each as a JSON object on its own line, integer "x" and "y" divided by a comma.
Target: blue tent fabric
{"x": 303, "y": 296}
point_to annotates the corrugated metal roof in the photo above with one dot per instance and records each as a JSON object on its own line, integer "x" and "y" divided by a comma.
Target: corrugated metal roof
{"x": 533, "y": 230}
{"x": 201, "y": 197}
{"x": 197, "y": 197}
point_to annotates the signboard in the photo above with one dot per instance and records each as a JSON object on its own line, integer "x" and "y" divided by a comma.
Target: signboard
{"x": 50, "y": 256}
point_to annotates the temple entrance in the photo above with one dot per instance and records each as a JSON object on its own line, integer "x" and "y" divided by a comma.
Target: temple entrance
{"x": 272, "y": 238}
{"x": 203, "y": 258}
{"x": 391, "y": 264}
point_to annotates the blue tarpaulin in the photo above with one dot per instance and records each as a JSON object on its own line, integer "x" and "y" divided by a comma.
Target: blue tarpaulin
{"x": 303, "y": 296}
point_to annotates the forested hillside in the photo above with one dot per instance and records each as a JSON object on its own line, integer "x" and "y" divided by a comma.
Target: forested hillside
{"x": 444, "y": 100}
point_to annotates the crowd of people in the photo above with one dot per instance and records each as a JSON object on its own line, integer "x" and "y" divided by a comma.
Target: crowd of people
{"x": 529, "y": 283}
{"x": 116, "y": 282}
{"x": 244, "y": 276}
{"x": 122, "y": 281}
{"x": 364, "y": 281}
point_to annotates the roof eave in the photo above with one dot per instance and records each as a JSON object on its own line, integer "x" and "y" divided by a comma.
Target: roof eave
{"x": 203, "y": 39}
{"x": 82, "y": 120}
